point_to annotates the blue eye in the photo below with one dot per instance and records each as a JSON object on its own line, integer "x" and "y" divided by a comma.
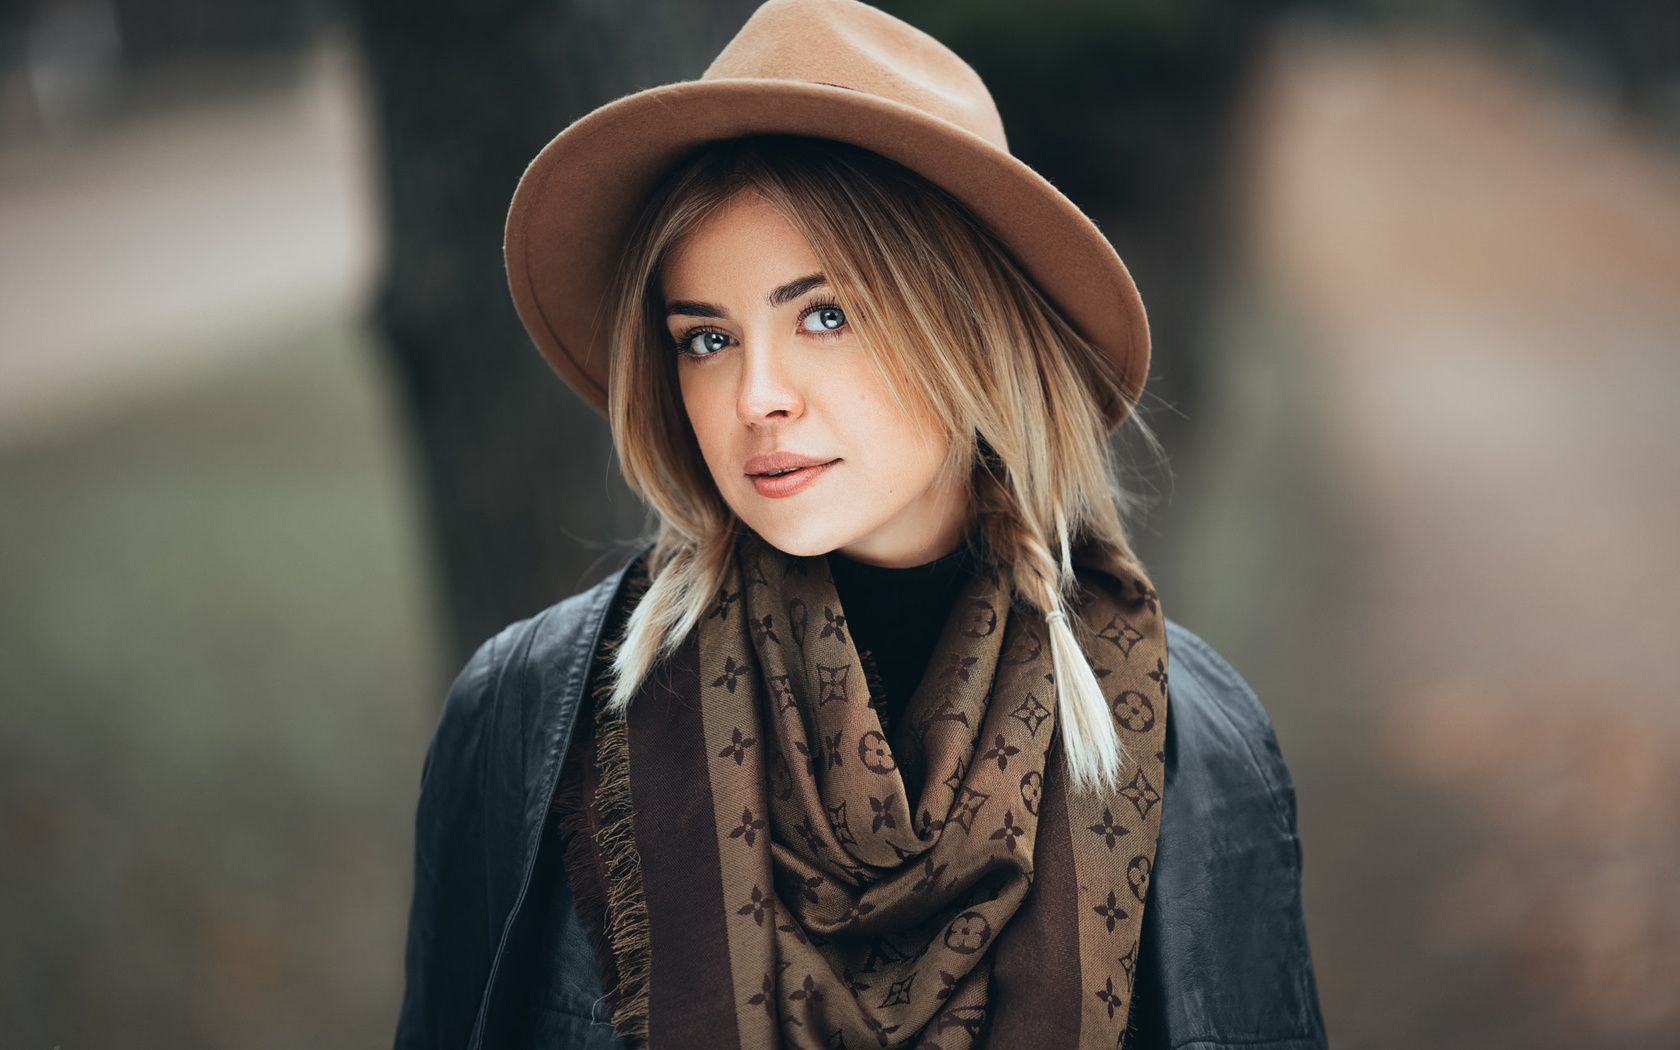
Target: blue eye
{"x": 823, "y": 319}
{"x": 704, "y": 344}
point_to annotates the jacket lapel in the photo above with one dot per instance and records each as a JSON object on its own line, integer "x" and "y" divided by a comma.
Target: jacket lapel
{"x": 547, "y": 697}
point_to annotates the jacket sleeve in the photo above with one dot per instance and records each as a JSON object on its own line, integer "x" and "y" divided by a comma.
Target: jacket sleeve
{"x": 449, "y": 951}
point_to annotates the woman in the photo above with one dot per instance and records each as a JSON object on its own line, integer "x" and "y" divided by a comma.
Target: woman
{"x": 873, "y": 747}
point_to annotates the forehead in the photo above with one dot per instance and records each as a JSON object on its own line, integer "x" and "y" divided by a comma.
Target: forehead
{"x": 745, "y": 248}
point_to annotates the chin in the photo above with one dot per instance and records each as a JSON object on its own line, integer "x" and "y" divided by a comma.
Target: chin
{"x": 804, "y": 539}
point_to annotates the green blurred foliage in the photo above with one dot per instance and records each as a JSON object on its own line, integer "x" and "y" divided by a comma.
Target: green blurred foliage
{"x": 218, "y": 671}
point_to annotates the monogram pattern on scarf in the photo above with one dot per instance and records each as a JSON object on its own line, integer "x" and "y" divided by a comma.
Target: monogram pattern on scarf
{"x": 866, "y": 876}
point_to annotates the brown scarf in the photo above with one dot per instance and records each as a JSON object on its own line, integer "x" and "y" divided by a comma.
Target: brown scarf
{"x": 778, "y": 871}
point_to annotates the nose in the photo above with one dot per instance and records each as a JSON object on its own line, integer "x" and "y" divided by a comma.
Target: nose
{"x": 768, "y": 391}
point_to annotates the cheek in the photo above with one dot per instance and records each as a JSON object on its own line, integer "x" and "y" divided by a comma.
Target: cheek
{"x": 710, "y": 411}
{"x": 922, "y": 455}
{"x": 893, "y": 440}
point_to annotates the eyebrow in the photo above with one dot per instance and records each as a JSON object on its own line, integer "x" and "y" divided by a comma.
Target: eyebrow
{"x": 781, "y": 296}
{"x": 792, "y": 290}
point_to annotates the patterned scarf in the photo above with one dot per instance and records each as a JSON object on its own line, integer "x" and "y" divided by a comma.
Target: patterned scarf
{"x": 780, "y": 872}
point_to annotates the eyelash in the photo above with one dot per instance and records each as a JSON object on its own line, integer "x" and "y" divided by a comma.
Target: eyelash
{"x": 681, "y": 344}
{"x": 825, "y": 304}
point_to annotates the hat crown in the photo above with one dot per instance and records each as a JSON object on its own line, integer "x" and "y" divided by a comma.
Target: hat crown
{"x": 846, "y": 44}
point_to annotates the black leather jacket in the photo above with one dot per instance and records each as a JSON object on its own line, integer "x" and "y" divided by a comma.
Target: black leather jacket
{"x": 498, "y": 958}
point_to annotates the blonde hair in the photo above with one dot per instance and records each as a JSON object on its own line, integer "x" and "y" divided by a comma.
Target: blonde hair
{"x": 959, "y": 335}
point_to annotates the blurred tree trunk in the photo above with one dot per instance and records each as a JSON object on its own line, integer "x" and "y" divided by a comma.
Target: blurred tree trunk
{"x": 525, "y": 503}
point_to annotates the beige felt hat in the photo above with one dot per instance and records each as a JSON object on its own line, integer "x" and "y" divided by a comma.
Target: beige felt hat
{"x": 833, "y": 69}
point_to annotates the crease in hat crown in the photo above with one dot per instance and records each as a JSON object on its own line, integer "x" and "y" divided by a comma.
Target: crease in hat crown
{"x": 834, "y": 69}
{"x": 846, "y": 44}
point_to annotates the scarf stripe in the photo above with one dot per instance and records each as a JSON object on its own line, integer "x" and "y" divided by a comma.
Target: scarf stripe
{"x": 687, "y": 1005}
{"x": 1036, "y": 991}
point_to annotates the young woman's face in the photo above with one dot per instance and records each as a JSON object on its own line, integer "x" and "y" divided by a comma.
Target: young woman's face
{"x": 796, "y": 426}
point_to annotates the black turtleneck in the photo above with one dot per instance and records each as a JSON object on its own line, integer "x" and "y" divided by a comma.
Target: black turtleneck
{"x": 896, "y": 617}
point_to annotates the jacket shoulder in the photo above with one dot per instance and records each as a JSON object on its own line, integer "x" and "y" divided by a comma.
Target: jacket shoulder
{"x": 1225, "y": 959}
{"x": 1224, "y": 736}
{"x": 537, "y": 644}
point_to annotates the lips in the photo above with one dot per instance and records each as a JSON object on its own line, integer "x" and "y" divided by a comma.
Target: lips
{"x": 777, "y": 475}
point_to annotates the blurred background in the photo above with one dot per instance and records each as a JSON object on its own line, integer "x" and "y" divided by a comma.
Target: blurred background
{"x": 275, "y": 455}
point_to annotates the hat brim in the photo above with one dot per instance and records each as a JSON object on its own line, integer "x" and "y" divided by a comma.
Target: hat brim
{"x": 577, "y": 201}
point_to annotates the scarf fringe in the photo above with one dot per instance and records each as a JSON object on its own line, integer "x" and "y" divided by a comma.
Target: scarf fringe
{"x": 627, "y": 917}
{"x": 626, "y": 903}
{"x": 584, "y": 871}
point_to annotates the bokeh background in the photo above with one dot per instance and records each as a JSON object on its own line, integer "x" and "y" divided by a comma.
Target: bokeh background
{"x": 275, "y": 455}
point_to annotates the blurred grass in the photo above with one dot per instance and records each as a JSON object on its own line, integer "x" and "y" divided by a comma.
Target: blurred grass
{"x": 217, "y": 677}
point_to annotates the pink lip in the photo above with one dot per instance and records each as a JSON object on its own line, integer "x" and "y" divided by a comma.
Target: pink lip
{"x": 777, "y": 475}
